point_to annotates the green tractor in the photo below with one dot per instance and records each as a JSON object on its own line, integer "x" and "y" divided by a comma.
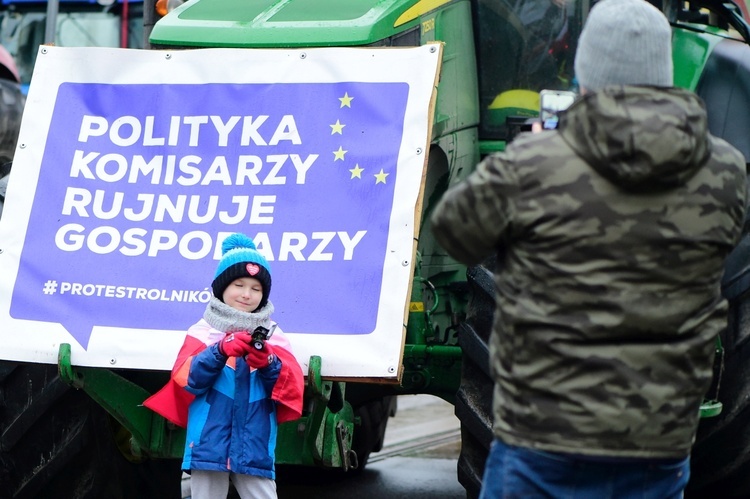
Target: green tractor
{"x": 73, "y": 432}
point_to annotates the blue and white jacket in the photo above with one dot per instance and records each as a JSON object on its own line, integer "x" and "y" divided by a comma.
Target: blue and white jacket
{"x": 232, "y": 422}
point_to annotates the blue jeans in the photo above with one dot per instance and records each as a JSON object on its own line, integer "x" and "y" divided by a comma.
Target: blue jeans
{"x": 519, "y": 472}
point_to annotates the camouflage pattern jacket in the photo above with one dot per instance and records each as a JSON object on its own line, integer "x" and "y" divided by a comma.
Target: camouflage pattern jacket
{"x": 612, "y": 232}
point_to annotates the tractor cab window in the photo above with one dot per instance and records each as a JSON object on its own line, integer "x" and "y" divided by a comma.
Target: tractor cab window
{"x": 524, "y": 46}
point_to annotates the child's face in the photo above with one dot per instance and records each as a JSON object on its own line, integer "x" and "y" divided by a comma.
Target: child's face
{"x": 244, "y": 294}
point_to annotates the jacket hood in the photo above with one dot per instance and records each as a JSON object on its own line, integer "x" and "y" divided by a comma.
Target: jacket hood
{"x": 639, "y": 138}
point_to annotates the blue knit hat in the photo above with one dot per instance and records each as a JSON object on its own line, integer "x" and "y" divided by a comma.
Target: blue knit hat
{"x": 240, "y": 258}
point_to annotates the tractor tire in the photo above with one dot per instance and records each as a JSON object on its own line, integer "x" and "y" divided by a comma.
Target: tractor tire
{"x": 720, "y": 460}
{"x": 4, "y": 176}
{"x": 474, "y": 398}
{"x": 56, "y": 442}
{"x": 369, "y": 435}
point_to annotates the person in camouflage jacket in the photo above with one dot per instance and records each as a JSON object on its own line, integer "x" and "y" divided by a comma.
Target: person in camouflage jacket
{"x": 611, "y": 232}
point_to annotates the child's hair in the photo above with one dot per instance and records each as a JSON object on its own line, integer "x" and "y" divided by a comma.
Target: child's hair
{"x": 240, "y": 258}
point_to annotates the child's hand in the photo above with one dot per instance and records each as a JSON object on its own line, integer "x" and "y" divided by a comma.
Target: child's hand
{"x": 260, "y": 358}
{"x": 236, "y": 344}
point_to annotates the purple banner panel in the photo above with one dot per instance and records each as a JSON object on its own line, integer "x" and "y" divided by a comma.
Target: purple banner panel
{"x": 139, "y": 182}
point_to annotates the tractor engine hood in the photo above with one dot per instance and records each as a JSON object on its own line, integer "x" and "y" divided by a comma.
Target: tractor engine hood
{"x": 287, "y": 23}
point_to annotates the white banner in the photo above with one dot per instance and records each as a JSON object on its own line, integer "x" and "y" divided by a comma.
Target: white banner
{"x": 132, "y": 166}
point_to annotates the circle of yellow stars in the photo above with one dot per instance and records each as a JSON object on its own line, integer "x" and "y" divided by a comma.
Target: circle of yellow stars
{"x": 340, "y": 153}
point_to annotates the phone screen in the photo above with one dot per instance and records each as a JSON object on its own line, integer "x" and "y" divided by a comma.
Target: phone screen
{"x": 551, "y": 103}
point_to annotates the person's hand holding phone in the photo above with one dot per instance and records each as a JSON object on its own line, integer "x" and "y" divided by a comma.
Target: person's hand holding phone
{"x": 551, "y": 103}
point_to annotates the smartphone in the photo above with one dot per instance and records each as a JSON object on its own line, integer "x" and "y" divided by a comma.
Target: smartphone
{"x": 551, "y": 102}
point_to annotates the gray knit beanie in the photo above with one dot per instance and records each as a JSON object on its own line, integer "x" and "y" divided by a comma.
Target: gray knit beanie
{"x": 624, "y": 42}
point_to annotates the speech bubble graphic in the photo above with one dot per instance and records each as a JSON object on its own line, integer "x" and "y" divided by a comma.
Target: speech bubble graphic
{"x": 139, "y": 183}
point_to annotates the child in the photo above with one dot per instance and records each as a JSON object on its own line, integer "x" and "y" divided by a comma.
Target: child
{"x": 233, "y": 389}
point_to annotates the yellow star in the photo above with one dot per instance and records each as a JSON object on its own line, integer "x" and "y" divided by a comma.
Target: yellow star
{"x": 337, "y": 128}
{"x": 356, "y": 171}
{"x": 346, "y": 101}
{"x": 380, "y": 177}
{"x": 339, "y": 154}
